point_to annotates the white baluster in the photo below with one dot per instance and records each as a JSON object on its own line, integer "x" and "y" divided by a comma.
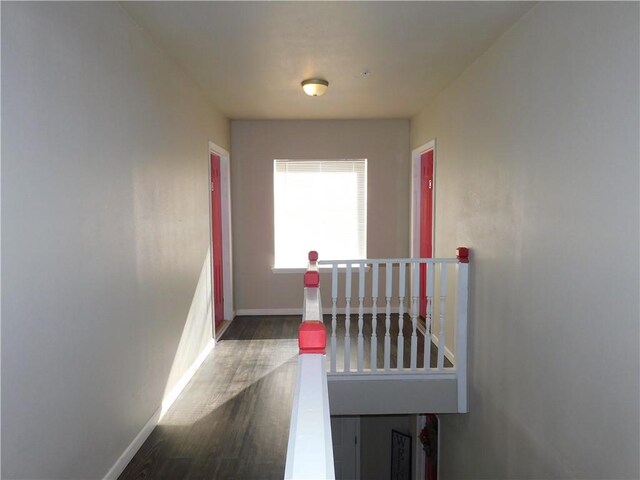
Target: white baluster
{"x": 387, "y": 336}
{"x": 415, "y": 301}
{"x": 347, "y": 321}
{"x": 374, "y": 319}
{"x": 361, "y": 280}
{"x": 443, "y": 301}
{"x": 334, "y": 314}
{"x": 430, "y": 278}
{"x": 401, "y": 294}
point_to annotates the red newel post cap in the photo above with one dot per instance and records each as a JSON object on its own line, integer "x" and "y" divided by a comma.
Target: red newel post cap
{"x": 312, "y": 337}
{"x": 463, "y": 254}
{"x": 311, "y": 278}
{"x": 313, "y": 256}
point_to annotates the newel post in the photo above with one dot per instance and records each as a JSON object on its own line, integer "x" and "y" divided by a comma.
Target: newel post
{"x": 462, "y": 301}
{"x": 312, "y": 335}
{"x": 312, "y": 276}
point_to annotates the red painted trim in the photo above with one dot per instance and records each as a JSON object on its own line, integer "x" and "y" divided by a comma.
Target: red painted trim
{"x": 426, "y": 222}
{"x": 313, "y": 256}
{"x": 463, "y": 254}
{"x": 311, "y": 278}
{"x": 216, "y": 240}
{"x": 312, "y": 337}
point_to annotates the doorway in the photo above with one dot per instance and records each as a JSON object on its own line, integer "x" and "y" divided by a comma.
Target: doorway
{"x": 220, "y": 234}
{"x": 422, "y": 218}
{"x": 345, "y": 435}
{"x": 216, "y": 241}
{"x": 427, "y": 454}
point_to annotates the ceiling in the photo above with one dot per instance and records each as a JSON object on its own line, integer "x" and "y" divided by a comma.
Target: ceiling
{"x": 250, "y": 57}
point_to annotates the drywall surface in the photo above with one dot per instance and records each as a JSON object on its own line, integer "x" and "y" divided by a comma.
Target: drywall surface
{"x": 537, "y": 172}
{"x": 255, "y": 144}
{"x": 375, "y": 443}
{"x": 105, "y": 234}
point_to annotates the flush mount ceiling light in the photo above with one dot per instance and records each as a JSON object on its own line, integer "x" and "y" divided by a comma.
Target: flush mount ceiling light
{"x": 314, "y": 87}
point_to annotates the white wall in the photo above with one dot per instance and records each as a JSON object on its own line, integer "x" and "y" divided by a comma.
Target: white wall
{"x": 255, "y": 144}
{"x": 537, "y": 172}
{"x": 375, "y": 447}
{"x": 104, "y": 234}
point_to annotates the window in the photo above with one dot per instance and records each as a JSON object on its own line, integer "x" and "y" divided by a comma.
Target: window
{"x": 319, "y": 205}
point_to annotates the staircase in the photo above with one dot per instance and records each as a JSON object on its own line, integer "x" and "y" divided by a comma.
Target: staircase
{"x": 383, "y": 359}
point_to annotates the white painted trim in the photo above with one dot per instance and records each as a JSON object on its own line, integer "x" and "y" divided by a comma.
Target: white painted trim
{"x": 116, "y": 470}
{"x": 415, "y": 196}
{"x": 251, "y": 312}
{"x": 436, "y": 341}
{"x": 382, "y": 261}
{"x": 227, "y": 239}
{"x": 310, "y": 448}
{"x": 124, "y": 459}
{"x": 447, "y": 353}
{"x": 322, "y": 268}
{"x": 170, "y": 397}
{"x": 288, "y": 269}
{"x": 264, "y": 312}
{"x": 365, "y": 310}
{"x": 312, "y": 305}
{"x": 462, "y": 310}
{"x": 394, "y": 375}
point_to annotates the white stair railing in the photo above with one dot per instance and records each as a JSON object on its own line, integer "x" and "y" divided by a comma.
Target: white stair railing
{"x": 310, "y": 449}
{"x": 423, "y": 280}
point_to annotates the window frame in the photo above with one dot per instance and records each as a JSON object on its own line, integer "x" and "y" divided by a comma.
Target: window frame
{"x": 364, "y": 210}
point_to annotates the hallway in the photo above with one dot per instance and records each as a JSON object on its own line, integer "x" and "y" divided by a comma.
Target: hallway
{"x": 110, "y": 111}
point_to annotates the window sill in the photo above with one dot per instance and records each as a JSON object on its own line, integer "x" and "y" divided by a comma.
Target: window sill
{"x": 288, "y": 270}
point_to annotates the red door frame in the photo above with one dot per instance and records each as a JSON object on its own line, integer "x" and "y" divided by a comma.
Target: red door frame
{"x": 426, "y": 188}
{"x": 419, "y": 221}
{"x": 432, "y": 428}
{"x": 216, "y": 240}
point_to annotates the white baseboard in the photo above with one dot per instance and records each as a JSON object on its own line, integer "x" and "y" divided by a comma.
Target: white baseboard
{"x": 253, "y": 312}
{"x": 122, "y": 462}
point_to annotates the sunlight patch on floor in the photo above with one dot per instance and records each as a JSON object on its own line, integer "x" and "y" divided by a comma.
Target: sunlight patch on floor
{"x": 227, "y": 365}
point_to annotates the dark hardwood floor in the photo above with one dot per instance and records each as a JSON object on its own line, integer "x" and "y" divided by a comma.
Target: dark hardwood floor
{"x": 232, "y": 419}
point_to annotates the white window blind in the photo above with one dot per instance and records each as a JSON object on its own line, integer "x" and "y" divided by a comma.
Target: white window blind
{"x": 319, "y": 205}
